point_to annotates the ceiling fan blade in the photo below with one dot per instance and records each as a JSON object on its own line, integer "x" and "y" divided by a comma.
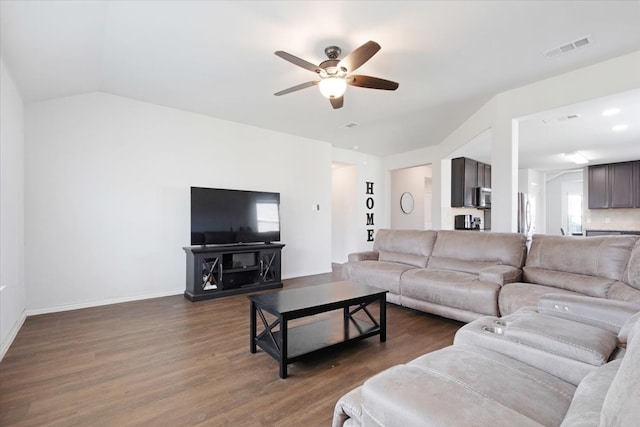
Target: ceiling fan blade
{"x": 298, "y": 61}
{"x": 337, "y": 102}
{"x": 372, "y": 82}
{"x": 359, "y": 56}
{"x": 295, "y": 88}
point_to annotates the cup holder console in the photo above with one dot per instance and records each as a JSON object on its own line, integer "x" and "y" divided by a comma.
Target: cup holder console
{"x": 501, "y": 322}
{"x": 493, "y": 330}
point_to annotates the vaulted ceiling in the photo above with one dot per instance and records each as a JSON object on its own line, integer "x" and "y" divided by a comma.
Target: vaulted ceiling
{"x": 216, "y": 57}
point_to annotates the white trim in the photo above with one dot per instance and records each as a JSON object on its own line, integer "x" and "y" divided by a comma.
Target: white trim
{"x": 90, "y": 304}
{"x": 12, "y": 334}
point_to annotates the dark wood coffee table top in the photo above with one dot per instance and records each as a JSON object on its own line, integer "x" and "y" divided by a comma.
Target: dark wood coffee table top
{"x": 316, "y": 298}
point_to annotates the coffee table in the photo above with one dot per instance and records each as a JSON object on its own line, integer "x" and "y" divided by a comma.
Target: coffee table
{"x": 288, "y": 344}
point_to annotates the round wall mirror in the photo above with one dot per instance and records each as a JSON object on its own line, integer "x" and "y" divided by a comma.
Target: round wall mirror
{"x": 406, "y": 203}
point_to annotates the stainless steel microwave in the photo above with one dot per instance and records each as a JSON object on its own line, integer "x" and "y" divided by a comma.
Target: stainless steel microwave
{"x": 482, "y": 197}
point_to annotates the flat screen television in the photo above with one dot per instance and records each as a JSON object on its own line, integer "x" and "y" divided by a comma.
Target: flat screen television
{"x": 220, "y": 216}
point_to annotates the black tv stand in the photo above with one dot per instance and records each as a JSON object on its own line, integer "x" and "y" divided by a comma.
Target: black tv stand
{"x": 216, "y": 271}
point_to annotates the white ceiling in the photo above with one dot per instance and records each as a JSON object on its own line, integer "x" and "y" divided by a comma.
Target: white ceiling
{"x": 545, "y": 137}
{"x": 216, "y": 58}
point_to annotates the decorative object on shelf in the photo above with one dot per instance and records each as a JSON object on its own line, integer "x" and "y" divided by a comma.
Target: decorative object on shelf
{"x": 335, "y": 74}
{"x": 406, "y": 202}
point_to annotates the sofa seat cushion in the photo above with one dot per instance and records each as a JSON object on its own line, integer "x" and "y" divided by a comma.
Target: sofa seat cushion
{"x": 452, "y": 289}
{"x": 380, "y": 274}
{"x": 566, "y": 349}
{"x": 449, "y": 387}
{"x": 588, "y": 285}
{"x": 514, "y": 296}
{"x": 454, "y": 264}
{"x": 589, "y": 397}
{"x": 573, "y": 340}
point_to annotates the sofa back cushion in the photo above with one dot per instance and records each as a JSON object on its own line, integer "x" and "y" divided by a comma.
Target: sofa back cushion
{"x": 581, "y": 283}
{"x": 600, "y": 256}
{"x": 472, "y": 250}
{"x": 412, "y": 247}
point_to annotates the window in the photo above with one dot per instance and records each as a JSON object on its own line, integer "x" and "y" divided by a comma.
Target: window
{"x": 574, "y": 213}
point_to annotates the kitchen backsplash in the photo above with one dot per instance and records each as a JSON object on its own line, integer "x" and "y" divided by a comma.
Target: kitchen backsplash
{"x": 612, "y": 219}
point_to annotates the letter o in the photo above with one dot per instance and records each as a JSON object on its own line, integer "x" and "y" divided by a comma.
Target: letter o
{"x": 370, "y": 203}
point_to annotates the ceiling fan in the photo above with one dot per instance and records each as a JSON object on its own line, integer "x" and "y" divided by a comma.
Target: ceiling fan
{"x": 335, "y": 74}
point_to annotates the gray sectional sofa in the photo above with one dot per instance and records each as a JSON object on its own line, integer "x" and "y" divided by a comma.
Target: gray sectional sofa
{"x": 525, "y": 369}
{"x": 553, "y": 337}
{"x": 464, "y": 275}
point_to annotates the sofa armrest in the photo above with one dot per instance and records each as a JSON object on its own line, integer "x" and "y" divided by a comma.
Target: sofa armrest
{"x": 607, "y": 314}
{"x": 348, "y": 410}
{"x": 500, "y": 274}
{"x": 363, "y": 256}
{"x": 623, "y": 335}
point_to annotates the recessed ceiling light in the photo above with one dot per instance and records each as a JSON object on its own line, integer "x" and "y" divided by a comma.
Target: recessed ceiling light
{"x": 356, "y": 147}
{"x": 576, "y": 158}
{"x": 619, "y": 128}
{"x": 610, "y": 111}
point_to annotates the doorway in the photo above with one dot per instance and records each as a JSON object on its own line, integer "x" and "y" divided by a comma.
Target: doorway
{"x": 415, "y": 185}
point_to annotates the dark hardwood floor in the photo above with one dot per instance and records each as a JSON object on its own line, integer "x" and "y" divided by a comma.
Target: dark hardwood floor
{"x": 171, "y": 362}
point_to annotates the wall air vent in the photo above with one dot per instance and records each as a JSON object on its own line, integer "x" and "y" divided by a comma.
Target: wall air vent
{"x": 568, "y": 47}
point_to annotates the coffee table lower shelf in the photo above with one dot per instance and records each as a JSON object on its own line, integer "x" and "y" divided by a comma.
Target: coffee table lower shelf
{"x": 348, "y": 319}
{"x": 319, "y": 335}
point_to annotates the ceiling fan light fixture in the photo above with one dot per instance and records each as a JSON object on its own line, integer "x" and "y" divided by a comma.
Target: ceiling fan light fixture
{"x": 332, "y": 87}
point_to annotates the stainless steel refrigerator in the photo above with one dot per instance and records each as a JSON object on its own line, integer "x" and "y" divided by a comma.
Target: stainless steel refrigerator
{"x": 525, "y": 219}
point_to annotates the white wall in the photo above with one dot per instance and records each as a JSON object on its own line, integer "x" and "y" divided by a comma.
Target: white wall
{"x": 107, "y": 195}
{"x": 411, "y": 180}
{"x": 368, "y": 169}
{"x": 12, "y": 284}
{"x": 344, "y": 213}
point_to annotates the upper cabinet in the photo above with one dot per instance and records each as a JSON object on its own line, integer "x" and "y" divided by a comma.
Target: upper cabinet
{"x": 484, "y": 175}
{"x": 615, "y": 185}
{"x": 599, "y": 187}
{"x": 466, "y": 175}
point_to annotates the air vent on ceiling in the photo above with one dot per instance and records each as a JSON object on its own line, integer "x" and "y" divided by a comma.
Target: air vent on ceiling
{"x": 562, "y": 118}
{"x": 349, "y": 125}
{"x": 569, "y": 117}
{"x": 568, "y": 47}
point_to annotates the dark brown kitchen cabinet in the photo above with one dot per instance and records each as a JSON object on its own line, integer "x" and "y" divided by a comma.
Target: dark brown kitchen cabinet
{"x": 484, "y": 175}
{"x": 614, "y": 185}
{"x": 466, "y": 175}
{"x": 621, "y": 185}
{"x": 599, "y": 187}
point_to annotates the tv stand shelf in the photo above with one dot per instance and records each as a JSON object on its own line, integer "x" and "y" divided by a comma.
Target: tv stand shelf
{"x": 217, "y": 271}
